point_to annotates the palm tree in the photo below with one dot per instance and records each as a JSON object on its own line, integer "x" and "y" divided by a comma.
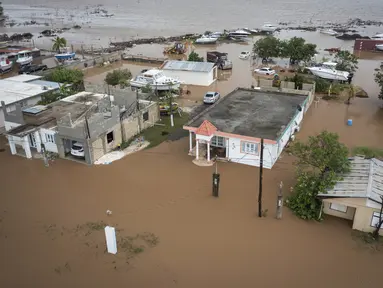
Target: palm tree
{"x": 58, "y": 43}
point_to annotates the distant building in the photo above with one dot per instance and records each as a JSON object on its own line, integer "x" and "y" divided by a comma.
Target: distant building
{"x": 232, "y": 128}
{"x": 191, "y": 73}
{"x": 357, "y": 197}
{"x": 25, "y": 90}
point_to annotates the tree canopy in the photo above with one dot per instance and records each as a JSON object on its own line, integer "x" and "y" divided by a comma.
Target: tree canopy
{"x": 267, "y": 47}
{"x": 193, "y": 56}
{"x": 67, "y": 76}
{"x": 1, "y": 9}
{"x": 379, "y": 80}
{"x": 118, "y": 77}
{"x": 58, "y": 43}
{"x": 346, "y": 61}
{"x": 296, "y": 48}
{"x": 320, "y": 162}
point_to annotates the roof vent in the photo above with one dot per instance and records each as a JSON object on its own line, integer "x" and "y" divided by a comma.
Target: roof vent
{"x": 45, "y": 88}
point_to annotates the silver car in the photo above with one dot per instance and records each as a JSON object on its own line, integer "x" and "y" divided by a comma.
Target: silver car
{"x": 211, "y": 97}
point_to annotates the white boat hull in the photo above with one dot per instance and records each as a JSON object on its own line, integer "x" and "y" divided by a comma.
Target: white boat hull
{"x": 206, "y": 40}
{"x": 328, "y": 32}
{"x": 158, "y": 87}
{"x": 5, "y": 67}
{"x": 329, "y": 74}
{"x": 379, "y": 47}
{"x": 24, "y": 61}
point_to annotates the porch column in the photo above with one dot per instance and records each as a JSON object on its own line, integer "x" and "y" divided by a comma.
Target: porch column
{"x": 27, "y": 147}
{"x": 227, "y": 148}
{"x": 38, "y": 141}
{"x": 196, "y": 149}
{"x": 190, "y": 141}
{"x": 208, "y": 151}
{"x": 12, "y": 145}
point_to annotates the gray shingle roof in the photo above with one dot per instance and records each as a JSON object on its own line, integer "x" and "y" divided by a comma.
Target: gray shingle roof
{"x": 365, "y": 180}
{"x": 188, "y": 66}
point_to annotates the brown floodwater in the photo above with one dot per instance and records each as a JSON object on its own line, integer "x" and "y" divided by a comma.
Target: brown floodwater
{"x": 203, "y": 241}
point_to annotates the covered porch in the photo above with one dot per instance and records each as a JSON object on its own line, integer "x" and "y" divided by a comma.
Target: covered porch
{"x": 24, "y": 140}
{"x": 205, "y": 146}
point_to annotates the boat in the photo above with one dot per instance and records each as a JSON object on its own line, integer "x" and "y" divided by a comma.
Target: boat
{"x": 251, "y": 31}
{"x": 156, "y": 79}
{"x": 239, "y": 34}
{"x": 269, "y": 28}
{"x": 378, "y": 36}
{"x": 216, "y": 34}
{"x": 379, "y": 47}
{"x": 206, "y": 40}
{"x": 5, "y": 64}
{"x": 24, "y": 57}
{"x": 327, "y": 71}
{"x": 328, "y": 32}
{"x": 65, "y": 55}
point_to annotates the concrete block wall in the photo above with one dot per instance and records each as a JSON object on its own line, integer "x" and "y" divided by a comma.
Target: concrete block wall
{"x": 97, "y": 149}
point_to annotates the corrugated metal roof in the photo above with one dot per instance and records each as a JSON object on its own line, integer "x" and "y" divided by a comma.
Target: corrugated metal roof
{"x": 365, "y": 180}
{"x": 188, "y": 66}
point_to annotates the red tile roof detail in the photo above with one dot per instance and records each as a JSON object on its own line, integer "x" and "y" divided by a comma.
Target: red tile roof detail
{"x": 206, "y": 129}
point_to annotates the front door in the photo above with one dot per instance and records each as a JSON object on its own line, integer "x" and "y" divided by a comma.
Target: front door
{"x": 32, "y": 140}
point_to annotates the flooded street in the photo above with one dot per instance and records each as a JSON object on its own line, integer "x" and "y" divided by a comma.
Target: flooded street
{"x": 203, "y": 241}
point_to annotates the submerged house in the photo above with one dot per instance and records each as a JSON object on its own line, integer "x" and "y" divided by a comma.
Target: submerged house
{"x": 92, "y": 124}
{"x": 232, "y": 128}
{"x": 358, "y": 196}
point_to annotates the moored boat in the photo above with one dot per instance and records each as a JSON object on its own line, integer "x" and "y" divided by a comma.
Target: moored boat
{"x": 65, "y": 56}
{"x": 378, "y": 36}
{"x": 156, "y": 79}
{"x": 5, "y": 64}
{"x": 24, "y": 58}
{"x": 239, "y": 34}
{"x": 206, "y": 40}
{"x": 327, "y": 71}
{"x": 379, "y": 47}
{"x": 328, "y": 32}
{"x": 267, "y": 27}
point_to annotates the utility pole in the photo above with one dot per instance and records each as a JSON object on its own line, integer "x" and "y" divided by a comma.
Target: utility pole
{"x": 260, "y": 181}
{"x": 279, "y": 201}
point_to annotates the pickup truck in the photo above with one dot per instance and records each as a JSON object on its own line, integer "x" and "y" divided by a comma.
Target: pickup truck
{"x": 32, "y": 68}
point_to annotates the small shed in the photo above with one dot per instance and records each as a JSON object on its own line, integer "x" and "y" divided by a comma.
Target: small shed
{"x": 191, "y": 73}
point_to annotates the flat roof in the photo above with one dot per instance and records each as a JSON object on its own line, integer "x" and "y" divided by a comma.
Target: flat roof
{"x": 24, "y": 78}
{"x": 252, "y": 113}
{"x": 188, "y": 66}
{"x": 49, "y": 84}
{"x": 13, "y": 91}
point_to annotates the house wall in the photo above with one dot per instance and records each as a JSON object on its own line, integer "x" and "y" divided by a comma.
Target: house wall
{"x": 192, "y": 78}
{"x": 97, "y": 149}
{"x": 363, "y": 218}
{"x": 235, "y": 154}
{"x": 131, "y": 125}
{"x": 349, "y": 214}
{"x": 51, "y": 147}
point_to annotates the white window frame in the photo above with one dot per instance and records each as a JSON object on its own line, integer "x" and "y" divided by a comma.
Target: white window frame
{"x": 250, "y": 148}
{"x": 215, "y": 141}
{"x": 375, "y": 220}
{"x": 338, "y": 207}
{"x": 49, "y": 138}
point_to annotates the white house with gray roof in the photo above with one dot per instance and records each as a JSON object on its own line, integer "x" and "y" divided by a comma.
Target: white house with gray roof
{"x": 359, "y": 196}
{"x": 191, "y": 73}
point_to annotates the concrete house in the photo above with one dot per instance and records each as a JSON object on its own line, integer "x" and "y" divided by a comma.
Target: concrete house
{"x": 358, "y": 196}
{"x": 25, "y": 90}
{"x": 232, "y": 128}
{"x": 191, "y": 73}
{"x": 96, "y": 122}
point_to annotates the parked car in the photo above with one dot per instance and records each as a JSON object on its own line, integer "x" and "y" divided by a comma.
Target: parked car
{"x": 211, "y": 97}
{"x": 28, "y": 69}
{"x": 265, "y": 71}
{"x": 244, "y": 55}
{"x": 77, "y": 150}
